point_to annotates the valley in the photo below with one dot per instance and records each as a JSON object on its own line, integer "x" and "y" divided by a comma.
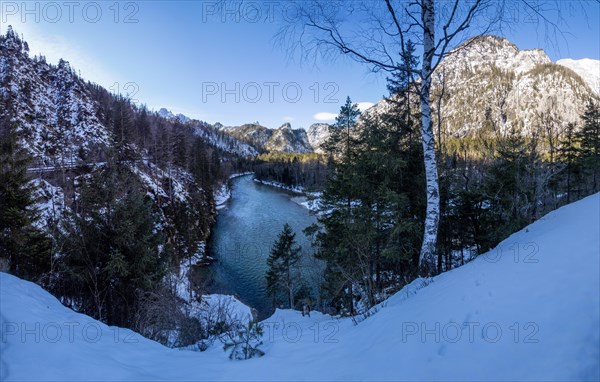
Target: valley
{"x": 419, "y": 200}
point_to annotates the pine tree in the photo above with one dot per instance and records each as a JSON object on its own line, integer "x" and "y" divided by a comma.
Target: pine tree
{"x": 123, "y": 125}
{"x": 111, "y": 247}
{"x": 369, "y": 225}
{"x": 25, "y": 247}
{"x": 340, "y": 134}
{"x": 589, "y": 138}
{"x": 511, "y": 185}
{"x": 283, "y": 266}
{"x": 568, "y": 154}
{"x": 243, "y": 341}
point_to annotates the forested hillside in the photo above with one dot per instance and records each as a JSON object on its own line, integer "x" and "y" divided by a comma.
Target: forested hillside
{"x": 103, "y": 202}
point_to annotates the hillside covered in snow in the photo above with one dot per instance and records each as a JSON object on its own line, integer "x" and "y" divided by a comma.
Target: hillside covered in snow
{"x": 587, "y": 68}
{"x": 283, "y": 139}
{"x": 488, "y": 85}
{"x": 527, "y": 310}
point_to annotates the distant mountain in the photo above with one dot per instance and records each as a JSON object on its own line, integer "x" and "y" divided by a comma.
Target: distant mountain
{"x": 288, "y": 140}
{"x": 69, "y": 126}
{"x": 318, "y": 133}
{"x": 212, "y": 134}
{"x": 489, "y": 82}
{"x": 218, "y": 138}
{"x": 283, "y": 139}
{"x": 167, "y": 114}
{"x": 587, "y": 68}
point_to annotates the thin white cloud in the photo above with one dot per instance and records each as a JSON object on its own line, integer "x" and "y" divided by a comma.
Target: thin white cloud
{"x": 287, "y": 118}
{"x": 328, "y": 117}
{"x": 324, "y": 116}
{"x": 362, "y": 106}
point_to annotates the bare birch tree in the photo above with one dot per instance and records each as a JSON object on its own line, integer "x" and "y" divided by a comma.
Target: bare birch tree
{"x": 373, "y": 32}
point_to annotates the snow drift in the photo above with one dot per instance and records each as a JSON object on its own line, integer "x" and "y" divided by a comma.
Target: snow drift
{"x": 527, "y": 310}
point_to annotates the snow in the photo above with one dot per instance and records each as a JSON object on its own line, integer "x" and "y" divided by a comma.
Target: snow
{"x": 527, "y": 310}
{"x": 587, "y": 68}
{"x": 318, "y": 134}
{"x": 237, "y": 175}
{"x": 312, "y": 201}
{"x": 222, "y": 195}
{"x": 234, "y": 308}
{"x": 296, "y": 189}
{"x": 50, "y": 203}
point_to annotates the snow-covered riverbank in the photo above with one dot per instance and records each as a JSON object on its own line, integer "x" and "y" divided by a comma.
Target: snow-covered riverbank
{"x": 308, "y": 200}
{"x": 223, "y": 194}
{"x": 466, "y": 324}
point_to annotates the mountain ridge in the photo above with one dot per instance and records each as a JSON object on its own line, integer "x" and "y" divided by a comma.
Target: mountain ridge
{"x": 283, "y": 139}
{"x": 489, "y": 83}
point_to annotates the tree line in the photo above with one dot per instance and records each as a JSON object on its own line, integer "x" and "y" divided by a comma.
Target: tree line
{"x": 371, "y": 214}
{"x": 294, "y": 170}
{"x": 130, "y": 211}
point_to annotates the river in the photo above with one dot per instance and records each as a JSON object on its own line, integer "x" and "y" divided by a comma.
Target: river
{"x": 244, "y": 234}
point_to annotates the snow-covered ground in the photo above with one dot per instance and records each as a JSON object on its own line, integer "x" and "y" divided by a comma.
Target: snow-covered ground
{"x": 223, "y": 193}
{"x": 311, "y": 200}
{"x": 308, "y": 200}
{"x": 587, "y": 68}
{"x": 527, "y": 310}
{"x": 296, "y": 189}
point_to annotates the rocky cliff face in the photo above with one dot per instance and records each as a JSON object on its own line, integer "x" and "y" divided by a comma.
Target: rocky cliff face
{"x": 318, "y": 134}
{"x": 283, "y": 139}
{"x": 489, "y": 79}
{"x": 489, "y": 82}
{"x": 50, "y": 104}
{"x": 587, "y": 69}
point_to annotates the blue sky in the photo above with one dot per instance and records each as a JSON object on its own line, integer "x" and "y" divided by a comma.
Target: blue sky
{"x": 195, "y": 60}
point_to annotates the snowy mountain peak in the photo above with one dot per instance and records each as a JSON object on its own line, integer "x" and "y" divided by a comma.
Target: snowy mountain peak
{"x": 489, "y": 81}
{"x": 318, "y": 133}
{"x": 493, "y": 50}
{"x": 283, "y": 139}
{"x": 587, "y": 68}
{"x": 167, "y": 114}
{"x": 11, "y": 41}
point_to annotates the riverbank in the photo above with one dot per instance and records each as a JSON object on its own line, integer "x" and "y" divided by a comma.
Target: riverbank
{"x": 296, "y": 190}
{"x": 223, "y": 194}
{"x": 306, "y": 199}
{"x": 243, "y": 235}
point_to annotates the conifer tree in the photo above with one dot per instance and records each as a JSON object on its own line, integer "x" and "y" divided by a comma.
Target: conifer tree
{"x": 283, "y": 272}
{"x": 25, "y": 247}
{"x": 568, "y": 154}
{"x": 589, "y": 138}
{"x": 111, "y": 247}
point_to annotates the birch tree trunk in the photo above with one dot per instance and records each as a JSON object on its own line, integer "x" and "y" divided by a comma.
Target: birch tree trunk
{"x": 432, "y": 214}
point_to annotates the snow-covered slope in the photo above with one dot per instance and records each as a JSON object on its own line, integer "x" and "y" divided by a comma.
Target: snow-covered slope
{"x": 283, "y": 139}
{"x": 318, "y": 133}
{"x": 167, "y": 114}
{"x": 587, "y": 68}
{"x": 488, "y": 83}
{"x": 528, "y": 310}
{"x": 52, "y": 106}
{"x": 288, "y": 140}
